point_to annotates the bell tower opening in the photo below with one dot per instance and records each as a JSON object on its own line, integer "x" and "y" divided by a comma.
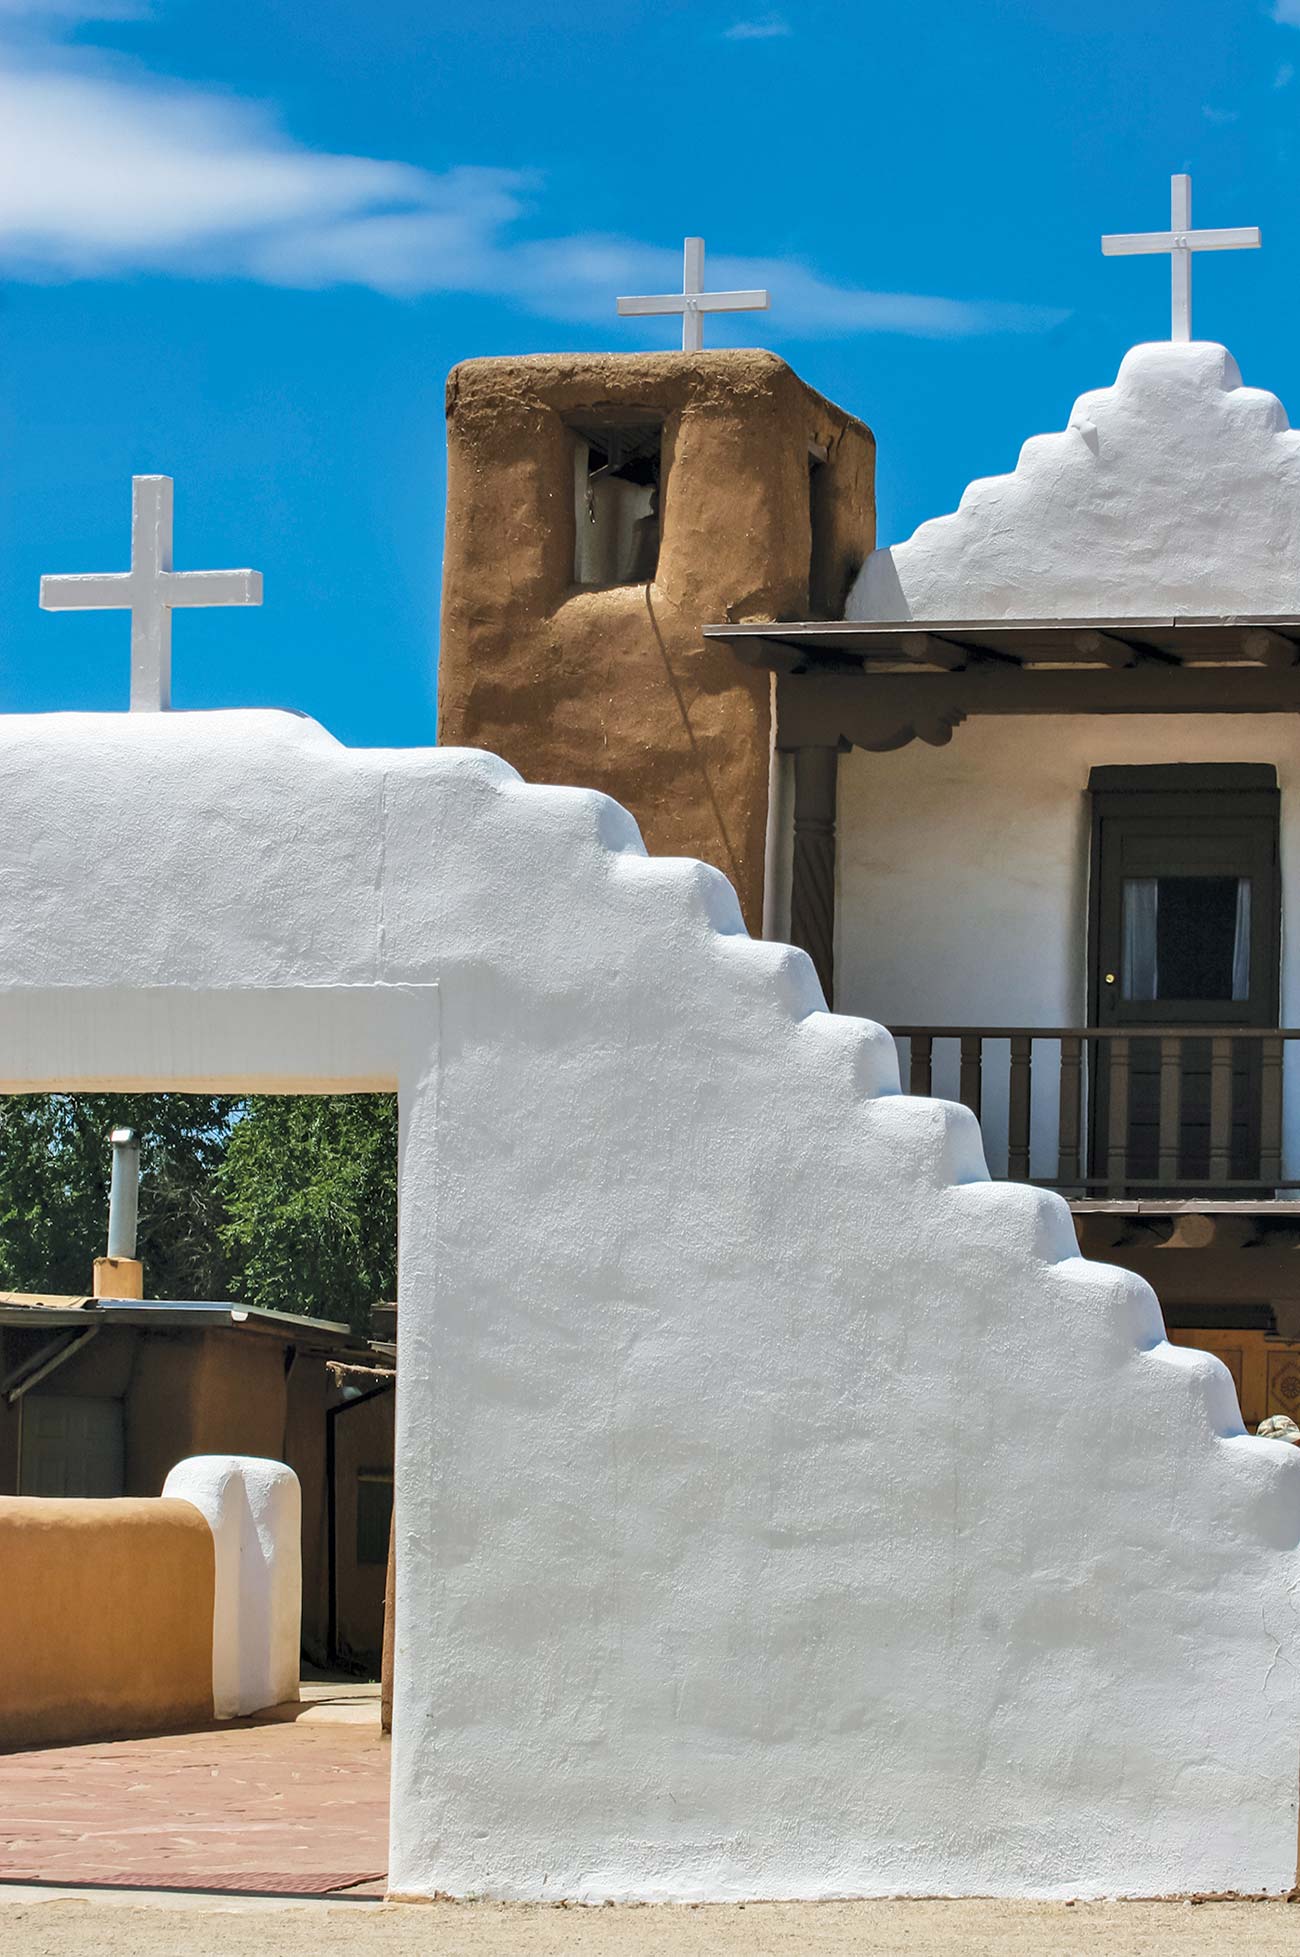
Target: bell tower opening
{"x": 617, "y": 481}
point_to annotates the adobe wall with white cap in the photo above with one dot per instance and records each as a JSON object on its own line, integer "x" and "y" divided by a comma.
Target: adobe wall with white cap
{"x": 783, "y": 1508}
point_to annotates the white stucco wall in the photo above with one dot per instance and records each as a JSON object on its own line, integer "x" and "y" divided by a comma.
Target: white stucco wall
{"x": 254, "y": 1509}
{"x": 783, "y": 1508}
{"x": 962, "y": 881}
{"x": 1176, "y": 491}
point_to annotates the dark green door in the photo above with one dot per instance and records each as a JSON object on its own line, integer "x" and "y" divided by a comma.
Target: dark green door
{"x": 1185, "y": 934}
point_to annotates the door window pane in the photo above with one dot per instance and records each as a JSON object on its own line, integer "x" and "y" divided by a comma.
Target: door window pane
{"x": 1138, "y": 964}
{"x": 1186, "y": 938}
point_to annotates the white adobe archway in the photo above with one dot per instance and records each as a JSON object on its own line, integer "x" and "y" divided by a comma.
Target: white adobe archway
{"x": 784, "y": 1509}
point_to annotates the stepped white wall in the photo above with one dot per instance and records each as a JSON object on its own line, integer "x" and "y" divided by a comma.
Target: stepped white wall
{"x": 783, "y": 1508}
{"x": 1176, "y": 491}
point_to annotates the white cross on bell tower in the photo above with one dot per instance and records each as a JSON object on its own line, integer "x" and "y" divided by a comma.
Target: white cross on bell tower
{"x": 692, "y": 302}
{"x": 1180, "y": 241}
{"x": 150, "y": 591}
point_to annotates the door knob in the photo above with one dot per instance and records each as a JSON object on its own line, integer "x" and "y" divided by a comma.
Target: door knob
{"x": 1110, "y": 978}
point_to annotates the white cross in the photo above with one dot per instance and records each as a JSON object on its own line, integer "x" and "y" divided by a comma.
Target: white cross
{"x": 1180, "y": 241}
{"x": 150, "y": 591}
{"x": 692, "y": 302}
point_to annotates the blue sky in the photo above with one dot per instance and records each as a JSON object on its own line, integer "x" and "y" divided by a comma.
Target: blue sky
{"x": 242, "y": 241}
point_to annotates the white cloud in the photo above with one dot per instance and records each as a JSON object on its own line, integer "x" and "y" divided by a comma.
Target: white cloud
{"x": 104, "y": 175}
{"x": 68, "y": 13}
{"x": 1287, "y": 12}
{"x": 1219, "y": 115}
{"x": 1284, "y": 76}
{"x": 769, "y": 27}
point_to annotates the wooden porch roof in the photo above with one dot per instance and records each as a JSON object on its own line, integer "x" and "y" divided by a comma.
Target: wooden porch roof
{"x": 842, "y": 683}
{"x": 955, "y": 645}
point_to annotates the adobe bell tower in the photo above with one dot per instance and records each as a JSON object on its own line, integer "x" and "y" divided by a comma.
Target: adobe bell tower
{"x": 601, "y": 509}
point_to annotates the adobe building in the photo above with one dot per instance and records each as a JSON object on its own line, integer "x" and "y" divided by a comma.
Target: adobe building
{"x": 601, "y": 511}
{"x": 101, "y": 1397}
{"x": 1025, "y": 788}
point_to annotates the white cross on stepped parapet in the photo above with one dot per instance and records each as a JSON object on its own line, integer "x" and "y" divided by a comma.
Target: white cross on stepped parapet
{"x": 1180, "y": 241}
{"x": 150, "y": 591}
{"x": 692, "y": 302}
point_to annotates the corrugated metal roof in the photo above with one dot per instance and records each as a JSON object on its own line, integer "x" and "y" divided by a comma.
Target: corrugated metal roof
{"x": 44, "y": 1300}
{"x": 158, "y": 1314}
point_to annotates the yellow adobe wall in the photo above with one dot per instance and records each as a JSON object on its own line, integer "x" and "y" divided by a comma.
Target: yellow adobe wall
{"x": 211, "y": 1392}
{"x": 105, "y": 1619}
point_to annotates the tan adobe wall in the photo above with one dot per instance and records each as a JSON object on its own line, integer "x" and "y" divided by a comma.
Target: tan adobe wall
{"x": 363, "y": 1439}
{"x": 209, "y": 1393}
{"x": 106, "y": 1615}
{"x": 614, "y": 687}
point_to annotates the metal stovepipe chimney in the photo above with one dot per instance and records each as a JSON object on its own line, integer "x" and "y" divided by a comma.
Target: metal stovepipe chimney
{"x": 119, "y": 1274}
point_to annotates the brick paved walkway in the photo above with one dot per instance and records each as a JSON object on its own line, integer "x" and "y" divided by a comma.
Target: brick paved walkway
{"x": 294, "y": 1807}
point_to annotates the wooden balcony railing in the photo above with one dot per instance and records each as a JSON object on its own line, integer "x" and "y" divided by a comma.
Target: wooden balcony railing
{"x": 1169, "y": 1111}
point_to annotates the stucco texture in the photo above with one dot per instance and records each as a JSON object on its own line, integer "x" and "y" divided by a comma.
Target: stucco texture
{"x": 783, "y": 1509}
{"x": 105, "y": 1619}
{"x": 254, "y": 1510}
{"x": 614, "y": 688}
{"x": 1174, "y": 492}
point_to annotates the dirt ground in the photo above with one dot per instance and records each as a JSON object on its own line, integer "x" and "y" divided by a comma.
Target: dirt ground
{"x": 298, "y": 1804}
{"x": 77, "y": 1928}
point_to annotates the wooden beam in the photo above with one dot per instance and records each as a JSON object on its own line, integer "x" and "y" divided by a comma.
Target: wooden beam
{"x": 929, "y": 650}
{"x": 1270, "y": 648}
{"x": 1106, "y": 649}
{"x": 1100, "y": 1231}
{"x": 1191, "y": 1232}
{"x": 878, "y": 710}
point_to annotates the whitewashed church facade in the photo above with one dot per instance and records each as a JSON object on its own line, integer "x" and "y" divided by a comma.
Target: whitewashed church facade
{"x": 785, "y": 1507}
{"x": 1048, "y": 781}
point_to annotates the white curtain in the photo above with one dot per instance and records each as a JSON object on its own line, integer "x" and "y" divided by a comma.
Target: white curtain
{"x": 1140, "y": 969}
{"x": 1139, "y": 977}
{"x": 1241, "y": 942}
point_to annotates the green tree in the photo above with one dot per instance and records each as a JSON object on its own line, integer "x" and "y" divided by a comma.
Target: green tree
{"x": 309, "y": 1187}
{"x": 54, "y": 1173}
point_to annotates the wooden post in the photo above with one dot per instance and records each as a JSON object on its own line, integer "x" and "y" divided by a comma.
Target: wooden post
{"x": 1020, "y": 1107}
{"x": 1270, "y": 1115}
{"x": 1068, "y": 1165}
{"x": 971, "y": 1077}
{"x": 812, "y": 883}
{"x": 390, "y": 1631}
{"x": 1220, "y": 1108}
{"x": 1117, "y": 1131}
{"x": 1171, "y": 1103}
